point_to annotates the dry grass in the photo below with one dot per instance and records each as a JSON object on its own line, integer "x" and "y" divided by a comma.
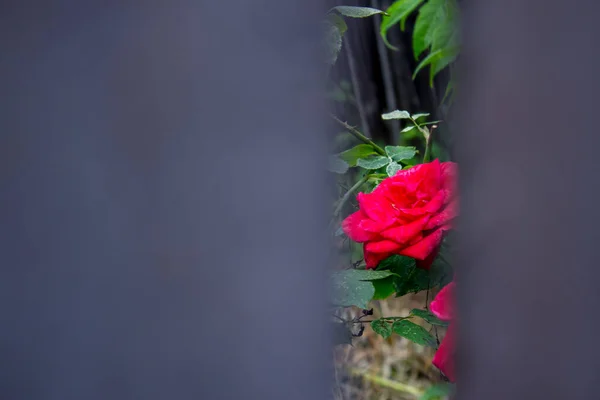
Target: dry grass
{"x": 381, "y": 369}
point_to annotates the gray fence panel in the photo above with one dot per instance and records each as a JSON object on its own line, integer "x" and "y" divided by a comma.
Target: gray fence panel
{"x": 529, "y": 266}
{"x": 162, "y": 216}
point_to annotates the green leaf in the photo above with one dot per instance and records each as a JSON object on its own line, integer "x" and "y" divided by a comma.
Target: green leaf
{"x": 408, "y": 128}
{"x": 415, "y": 281}
{"x": 384, "y": 288}
{"x": 428, "y": 19}
{"x": 352, "y": 287}
{"x": 398, "y": 153}
{"x": 439, "y": 60}
{"x": 446, "y": 32}
{"x": 445, "y": 58}
{"x": 370, "y": 274}
{"x": 432, "y": 57}
{"x": 444, "y": 35}
{"x": 440, "y": 272}
{"x": 431, "y": 122}
{"x": 339, "y": 22}
{"x": 333, "y": 42}
{"x": 337, "y": 165}
{"x": 427, "y": 316}
{"x": 397, "y": 12}
{"x": 417, "y": 116}
{"x": 409, "y": 279}
{"x": 450, "y": 90}
{"x": 382, "y": 328}
{"x": 438, "y": 391}
{"x": 348, "y": 290}
{"x": 392, "y": 168}
{"x": 413, "y": 332}
{"x": 397, "y": 114}
{"x": 373, "y": 162}
{"x": 357, "y": 12}
{"x": 437, "y": 27}
{"x": 360, "y": 151}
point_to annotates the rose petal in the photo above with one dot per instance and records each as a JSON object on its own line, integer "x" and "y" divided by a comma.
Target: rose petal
{"x": 425, "y": 247}
{"x": 428, "y": 261}
{"x": 436, "y": 203}
{"x": 444, "y": 217}
{"x": 433, "y": 206}
{"x": 443, "y": 304}
{"x": 430, "y": 170}
{"x": 432, "y": 179}
{"x": 404, "y": 233}
{"x": 373, "y": 259}
{"x": 416, "y": 239}
{"x": 449, "y": 172}
{"x": 382, "y": 246}
{"x": 376, "y": 207}
{"x": 444, "y": 356}
{"x": 352, "y": 227}
{"x": 374, "y": 226}
{"x": 400, "y": 196}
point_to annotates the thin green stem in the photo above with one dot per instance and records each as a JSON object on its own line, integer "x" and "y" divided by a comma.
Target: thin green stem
{"x": 354, "y": 188}
{"x": 427, "y": 156}
{"x": 388, "y": 383}
{"x": 397, "y": 318}
{"x": 347, "y": 195}
{"x": 428, "y": 145}
{"x": 356, "y": 133}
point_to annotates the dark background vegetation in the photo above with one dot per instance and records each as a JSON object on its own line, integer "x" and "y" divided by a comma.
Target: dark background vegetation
{"x": 367, "y": 80}
{"x": 379, "y": 79}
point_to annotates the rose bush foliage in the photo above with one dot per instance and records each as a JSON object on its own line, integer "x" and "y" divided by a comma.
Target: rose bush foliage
{"x": 408, "y": 214}
{"x": 403, "y": 221}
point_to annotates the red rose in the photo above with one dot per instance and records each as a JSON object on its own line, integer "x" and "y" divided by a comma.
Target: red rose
{"x": 443, "y": 308}
{"x": 407, "y": 214}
